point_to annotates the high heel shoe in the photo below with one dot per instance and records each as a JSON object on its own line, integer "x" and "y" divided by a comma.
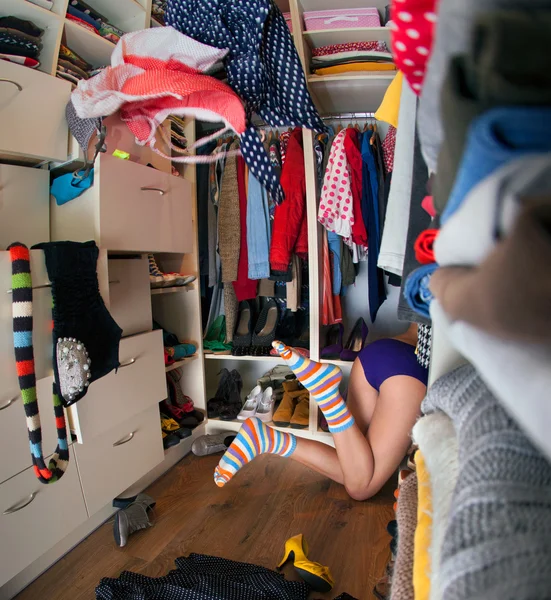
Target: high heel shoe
{"x": 356, "y": 341}
{"x": 316, "y": 576}
{"x": 333, "y": 342}
{"x": 264, "y": 330}
{"x": 242, "y": 338}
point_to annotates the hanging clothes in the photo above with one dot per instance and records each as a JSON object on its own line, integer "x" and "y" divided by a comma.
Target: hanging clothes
{"x": 290, "y": 232}
{"x": 354, "y": 159}
{"x": 262, "y": 65}
{"x": 258, "y": 230}
{"x": 245, "y": 288}
{"x": 229, "y": 222}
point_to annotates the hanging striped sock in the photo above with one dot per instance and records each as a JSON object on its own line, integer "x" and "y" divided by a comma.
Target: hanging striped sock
{"x": 254, "y": 438}
{"x": 322, "y": 381}
{"x": 22, "y": 312}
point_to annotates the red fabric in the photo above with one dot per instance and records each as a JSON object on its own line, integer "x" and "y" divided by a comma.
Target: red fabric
{"x": 424, "y": 246}
{"x": 245, "y": 288}
{"x": 289, "y": 233}
{"x": 354, "y": 158}
{"x": 413, "y": 24}
{"x": 428, "y": 206}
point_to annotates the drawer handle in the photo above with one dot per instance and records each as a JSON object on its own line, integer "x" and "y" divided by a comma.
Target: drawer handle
{"x": 127, "y": 363}
{"x": 18, "y": 507}
{"x": 9, "y": 403}
{"x": 152, "y": 189}
{"x": 19, "y": 87}
{"x": 125, "y": 439}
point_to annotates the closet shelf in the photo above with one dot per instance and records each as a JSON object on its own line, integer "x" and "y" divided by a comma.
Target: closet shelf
{"x": 128, "y": 15}
{"x": 172, "y": 290}
{"x": 326, "y": 37}
{"x": 253, "y": 358}
{"x": 185, "y": 445}
{"x": 181, "y": 363}
{"x": 28, "y": 10}
{"x": 352, "y": 92}
{"x": 91, "y": 46}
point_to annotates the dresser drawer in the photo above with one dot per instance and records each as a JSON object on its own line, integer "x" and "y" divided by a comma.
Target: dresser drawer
{"x": 113, "y": 399}
{"x": 130, "y": 294}
{"x": 116, "y": 459}
{"x": 55, "y": 510}
{"x": 32, "y": 113}
{"x": 24, "y": 205}
{"x": 14, "y": 439}
{"x": 42, "y": 320}
{"x": 129, "y": 208}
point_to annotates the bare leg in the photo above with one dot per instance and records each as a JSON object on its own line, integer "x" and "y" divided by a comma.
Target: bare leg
{"x": 361, "y": 398}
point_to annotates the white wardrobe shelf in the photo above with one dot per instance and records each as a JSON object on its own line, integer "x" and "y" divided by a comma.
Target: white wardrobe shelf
{"x": 91, "y": 46}
{"x": 181, "y": 363}
{"x": 172, "y": 290}
{"x": 326, "y": 37}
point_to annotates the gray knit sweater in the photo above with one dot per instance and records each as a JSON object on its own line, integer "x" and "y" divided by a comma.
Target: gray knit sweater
{"x": 498, "y": 541}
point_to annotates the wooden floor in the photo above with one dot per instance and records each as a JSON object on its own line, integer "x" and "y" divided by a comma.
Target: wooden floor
{"x": 248, "y": 520}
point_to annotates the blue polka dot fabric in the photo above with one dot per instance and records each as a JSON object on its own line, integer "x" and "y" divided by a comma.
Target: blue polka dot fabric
{"x": 262, "y": 64}
{"x": 202, "y": 577}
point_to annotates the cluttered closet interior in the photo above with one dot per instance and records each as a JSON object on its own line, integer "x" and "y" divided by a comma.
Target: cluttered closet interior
{"x": 188, "y": 191}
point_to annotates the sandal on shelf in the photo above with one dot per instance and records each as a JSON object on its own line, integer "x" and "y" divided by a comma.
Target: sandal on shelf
{"x": 265, "y": 328}
{"x": 213, "y": 342}
{"x": 242, "y": 338}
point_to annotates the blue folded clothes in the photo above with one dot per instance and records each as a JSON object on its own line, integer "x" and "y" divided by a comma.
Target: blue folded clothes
{"x": 74, "y": 12}
{"x": 416, "y": 290}
{"x": 68, "y": 187}
{"x": 495, "y": 138}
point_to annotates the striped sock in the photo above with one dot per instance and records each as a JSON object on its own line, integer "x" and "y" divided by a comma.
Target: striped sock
{"x": 322, "y": 381}
{"x": 254, "y": 438}
{"x": 22, "y": 311}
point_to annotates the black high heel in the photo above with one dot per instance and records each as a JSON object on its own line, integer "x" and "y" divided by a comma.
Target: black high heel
{"x": 242, "y": 338}
{"x": 265, "y": 329}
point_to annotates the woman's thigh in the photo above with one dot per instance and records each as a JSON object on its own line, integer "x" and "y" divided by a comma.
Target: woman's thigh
{"x": 361, "y": 397}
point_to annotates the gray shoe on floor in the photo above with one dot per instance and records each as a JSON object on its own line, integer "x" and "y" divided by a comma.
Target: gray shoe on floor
{"x": 132, "y": 518}
{"x": 211, "y": 444}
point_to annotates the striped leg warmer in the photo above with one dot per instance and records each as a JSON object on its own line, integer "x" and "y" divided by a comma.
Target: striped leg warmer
{"x": 254, "y": 438}
{"x": 22, "y": 311}
{"x": 322, "y": 381}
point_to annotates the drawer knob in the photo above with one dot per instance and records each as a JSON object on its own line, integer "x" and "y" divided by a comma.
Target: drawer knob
{"x": 17, "y": 507}
{"x": 19, "y": 87}
{"x": 9, "y": 403}
{"x": 127, "y": 363}
{"x": 125, "y": 439}
{"x": 153, "y": 189}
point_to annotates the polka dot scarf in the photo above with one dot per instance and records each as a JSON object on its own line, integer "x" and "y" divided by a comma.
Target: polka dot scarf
{"x": 412, "y": 33}
{"x": 263, "y": 67}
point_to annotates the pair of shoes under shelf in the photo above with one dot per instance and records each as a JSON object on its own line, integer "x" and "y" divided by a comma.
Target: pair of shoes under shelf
{"x": 226, "y": 403}
{"x": 294, "y": 409}
{"x": 158, "y": 279}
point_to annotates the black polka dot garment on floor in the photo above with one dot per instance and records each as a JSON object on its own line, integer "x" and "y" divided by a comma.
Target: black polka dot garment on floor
{"x": 201, "y": 577}
{"x": 263, "y": 67}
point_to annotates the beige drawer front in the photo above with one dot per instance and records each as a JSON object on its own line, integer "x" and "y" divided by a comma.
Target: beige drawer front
{"x": 56, "y": 510}
{"x": 24, "y": 205}
{"x": 130, "y": 208}
{"x": 14, "y": 440}
{"x": 130, "y": 294}
{"x": 114, "y": 398}
{"x": 115, "y": 460}
{"x": 32, "y": 119}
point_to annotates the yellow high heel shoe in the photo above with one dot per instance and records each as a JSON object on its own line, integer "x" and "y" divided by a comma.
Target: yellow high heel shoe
{"x": 316, "y": 576}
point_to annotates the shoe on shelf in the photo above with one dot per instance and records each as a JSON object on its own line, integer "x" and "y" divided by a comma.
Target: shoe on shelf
{"x": 242, "y": 337}
{"x": 212, "y": 444}
{"x": 214, "y": 341}
{"x": 274, "y": 377}
{"x": 333, "y": 342}
{"x": 251, "y": 404}
{"x": 132, "y": 518}
{"x": 301, "y": 414}
{"x": 233, "y": 403}
{"x": 157, "y": 278}
{"x": 220, "y": 398}
{"x": 317, "y": 576}
{"x": 356, "y": 341}
{"x": 170, "y": 440}
{"x": 265, "y": 409}
{"x": 180, "y": 279}
{"x": 168, "y": 424}
{"x": 284, "y": 413}
{"x": 302, "y": 337}
{"x": 173, "y": 346}
{"x": 264, "y": 330}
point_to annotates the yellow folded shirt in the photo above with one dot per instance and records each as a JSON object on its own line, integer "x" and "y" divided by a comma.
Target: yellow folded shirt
{"x": 360, "y": 66}
{"x": 423, "y": 533}
{"x": 390, "y": 106}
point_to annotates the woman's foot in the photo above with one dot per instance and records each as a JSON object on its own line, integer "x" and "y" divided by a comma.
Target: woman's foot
{"x": 254, "y": 438}
{"x": 322, "y": 381}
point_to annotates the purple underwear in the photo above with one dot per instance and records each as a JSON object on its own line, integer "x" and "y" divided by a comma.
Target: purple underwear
{"x": 386, "y": 358}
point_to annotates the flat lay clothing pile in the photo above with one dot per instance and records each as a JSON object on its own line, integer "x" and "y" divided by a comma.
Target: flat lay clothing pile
{"x": 20, "y": 41}
{"x": 72, "y": 67}
{"x": 354, "y": 56}
{"x": 84, "y": 15}
{"x": 352, "y": 207}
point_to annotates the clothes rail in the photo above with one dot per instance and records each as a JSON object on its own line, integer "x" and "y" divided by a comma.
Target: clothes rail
{"x": 349, "y": 116}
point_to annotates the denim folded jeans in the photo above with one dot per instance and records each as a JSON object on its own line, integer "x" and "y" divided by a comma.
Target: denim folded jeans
{"x": 258, "y": 230}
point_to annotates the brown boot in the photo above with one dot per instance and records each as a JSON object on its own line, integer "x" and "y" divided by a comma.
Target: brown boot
{"x": 284, "y": 413}
{"x": 301, "y": 416}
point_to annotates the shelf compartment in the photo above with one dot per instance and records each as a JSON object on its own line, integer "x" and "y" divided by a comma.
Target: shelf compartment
{"x": 127, "y": 15}
{"x": 350, "y": 92}
{"x": 181, "y": 363}
{"x": 326, "y": 37}
{"x": 91, "y": 46}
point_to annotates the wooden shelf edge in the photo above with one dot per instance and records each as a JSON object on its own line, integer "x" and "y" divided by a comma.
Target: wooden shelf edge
{"x": 172, "y": 290}
{"x": 181, "y": 363}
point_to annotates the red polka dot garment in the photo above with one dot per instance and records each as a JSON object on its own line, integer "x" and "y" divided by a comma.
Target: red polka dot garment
{"x": 413, "y": 23}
